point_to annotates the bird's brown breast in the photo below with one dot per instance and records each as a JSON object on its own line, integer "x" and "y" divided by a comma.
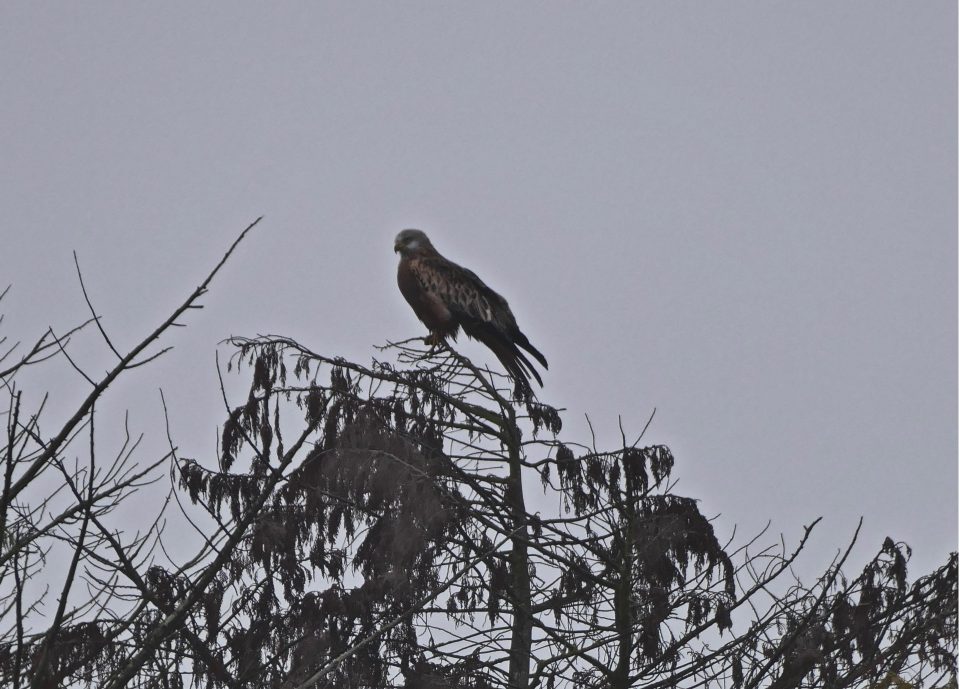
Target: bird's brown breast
{"x": 427, "y": 305}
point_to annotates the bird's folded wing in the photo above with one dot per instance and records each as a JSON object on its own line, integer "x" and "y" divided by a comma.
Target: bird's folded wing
{"x": 463, "y": 292}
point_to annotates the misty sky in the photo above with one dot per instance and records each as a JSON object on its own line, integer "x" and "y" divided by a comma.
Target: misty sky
{"x": 743, "y": 214}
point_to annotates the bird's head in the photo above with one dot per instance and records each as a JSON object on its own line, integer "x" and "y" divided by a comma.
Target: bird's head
{"x": 410, "y": 241}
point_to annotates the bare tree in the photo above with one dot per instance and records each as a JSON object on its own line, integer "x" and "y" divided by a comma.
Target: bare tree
{"x": 54, "y": 511}
{"x": 412, "y": 524}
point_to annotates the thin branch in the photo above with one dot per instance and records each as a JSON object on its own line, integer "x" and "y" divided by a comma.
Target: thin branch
{"x": 96, "y": 318}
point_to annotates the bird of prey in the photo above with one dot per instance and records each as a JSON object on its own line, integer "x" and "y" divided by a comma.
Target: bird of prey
{"x": 446, "y": 297}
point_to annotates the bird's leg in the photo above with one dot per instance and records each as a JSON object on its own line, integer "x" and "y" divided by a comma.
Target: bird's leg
{"x": 433, "y": 340}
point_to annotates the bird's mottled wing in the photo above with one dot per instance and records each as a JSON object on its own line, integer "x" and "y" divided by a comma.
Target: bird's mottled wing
{"x": 463, "y": 292}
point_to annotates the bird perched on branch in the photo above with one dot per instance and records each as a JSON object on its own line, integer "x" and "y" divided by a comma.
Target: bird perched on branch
{"x": 446, "y": 297}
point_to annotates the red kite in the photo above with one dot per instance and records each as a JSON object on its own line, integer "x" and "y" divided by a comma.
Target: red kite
{"x": 446, "y": 296}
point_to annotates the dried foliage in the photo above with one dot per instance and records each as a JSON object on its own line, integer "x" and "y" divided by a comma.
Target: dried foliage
{"x": 410, "y": 524}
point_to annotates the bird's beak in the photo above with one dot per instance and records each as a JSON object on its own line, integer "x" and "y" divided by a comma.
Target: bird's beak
{"x": 396, "y": 247}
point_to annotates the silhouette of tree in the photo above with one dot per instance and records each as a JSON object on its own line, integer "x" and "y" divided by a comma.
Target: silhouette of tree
{"x": 412, "y": 524}
{"x": 402, "y": 550}
{"x": 53, "y": 509}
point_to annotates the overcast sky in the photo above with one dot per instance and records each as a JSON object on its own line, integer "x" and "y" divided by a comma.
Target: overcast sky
{"x": 742, "y": 214}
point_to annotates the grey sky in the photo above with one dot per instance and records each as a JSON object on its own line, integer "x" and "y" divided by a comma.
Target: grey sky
{"x": 743, "y": 214}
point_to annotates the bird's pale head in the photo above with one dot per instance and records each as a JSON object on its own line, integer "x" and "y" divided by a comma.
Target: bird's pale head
{"x": 410, "y": 241}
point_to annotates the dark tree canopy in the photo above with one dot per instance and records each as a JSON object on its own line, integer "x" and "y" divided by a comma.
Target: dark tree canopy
{"x": 411, "y": 524}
